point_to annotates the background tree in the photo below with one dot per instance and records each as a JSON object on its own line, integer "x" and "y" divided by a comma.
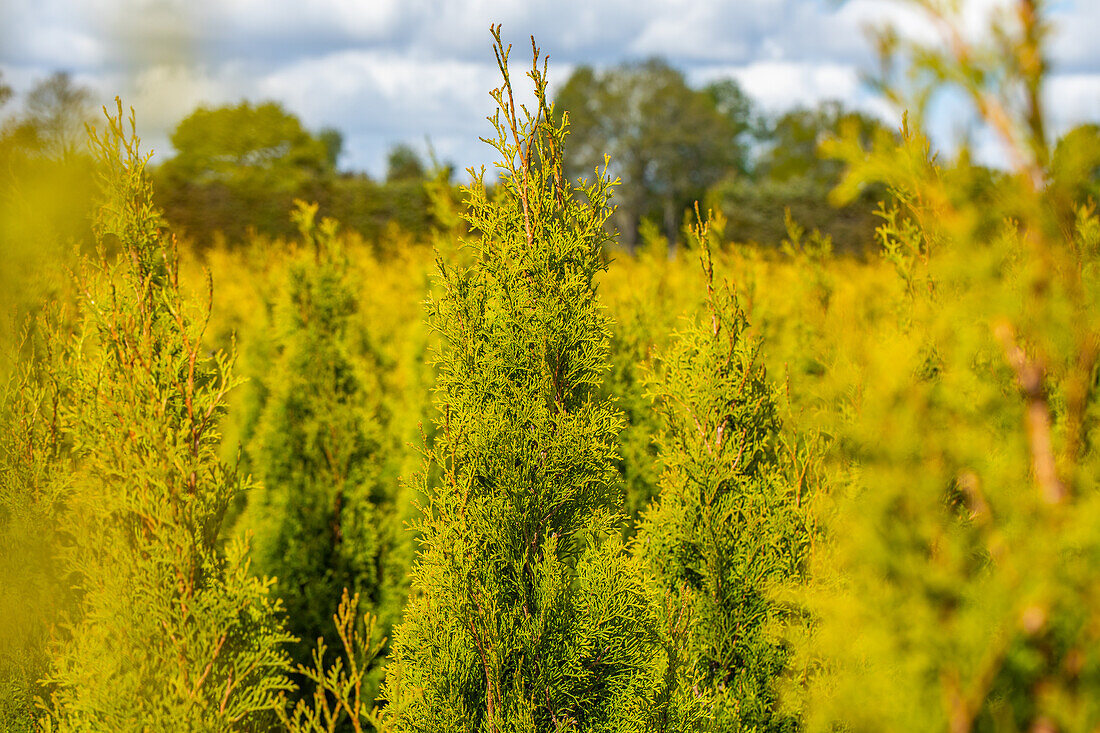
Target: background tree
{"x": 322, "y": 516}
{"x": 333, "y": 140}
{"x": 5, "y": 91}
{"x": 668, "y": 143}
{"x": 403, "y": 164}
{"x": 730, "y": 521}
{"x": 48, "y": 190}
{"x": 745, "y": 124}
{"x": 525, "y": 615}
{"x": 789, "y": 175}
{"x": 240, "y": 168}
{"x": 795, "y": 137}
{"x": 258, "y": 147}
{"x": 55, "y": 113}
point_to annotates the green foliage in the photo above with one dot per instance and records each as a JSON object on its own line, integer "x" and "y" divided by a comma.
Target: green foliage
{"x": 257, "y": 148}
{"x": 788, "y": 173}
{"x": 946, "y": 579}
{"x": 338, "y": 685}
{"x": 794, "y": 139}
{"x": 645, "y": 297}
{"x": 631, "y": 347}
{"x": 239, "y": 169}
{"x": 525, "y": 614}
{"x": 958, "y": 590}
{"x": 163, "y": 630}
{"x": 403, "y": 164}
{"x": 667, "y": 141}
{"x": 333, "y": 140}
{"x": 322, "y": 513}
{"x": 754, "y": 208}
{"x": 730, "y": 101}
{"x": 730, "y": 519}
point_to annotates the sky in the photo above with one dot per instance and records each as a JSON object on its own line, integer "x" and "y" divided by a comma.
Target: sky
{"x": 405, "y": 71}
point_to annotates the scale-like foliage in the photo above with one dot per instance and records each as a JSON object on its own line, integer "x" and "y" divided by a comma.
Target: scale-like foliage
{"x": 340, "y": 686}
{"x": 321, "y": 515}
{"x": 33, "y": 470}
{"x": 730, "y": 519}
{"x": 525, "y": 613}
{"x": 166, "y": 631}
{"x": 961, "y": 586}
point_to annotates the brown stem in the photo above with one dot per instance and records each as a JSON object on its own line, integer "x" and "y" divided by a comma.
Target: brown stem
{"x": 1029, "y": 377}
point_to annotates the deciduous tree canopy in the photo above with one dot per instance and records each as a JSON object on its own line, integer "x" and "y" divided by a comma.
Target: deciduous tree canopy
{"x": 259, "y": 148}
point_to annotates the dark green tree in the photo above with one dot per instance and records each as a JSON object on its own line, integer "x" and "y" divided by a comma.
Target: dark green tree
{"x": 789, "y": 174}
{"x": 668, "y": 143}
{"x": 333, "y": 140}
{"x": 321, "y": 516}
{"x": 745, "y": 125}
{"x": 794, "y": 138}
{"x": 258, "y": 148}
{"x": 241, "y": 167}
{"x": 5, "y": 91}
{"x": 403, "y": 164}
{"x": 525, "y": 613}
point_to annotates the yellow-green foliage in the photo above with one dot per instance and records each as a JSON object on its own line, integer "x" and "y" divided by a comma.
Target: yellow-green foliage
{"x": 646, "y": 296}
{"x": 320, "y": 512}
{"x": 914, "y": 548}
{"x": 731, "y": 520}
{"x": 373, "y": 348}
{"x": 118, "y": 466}
{"x": 958, "y": 588}
{"x": 525, "y": 615}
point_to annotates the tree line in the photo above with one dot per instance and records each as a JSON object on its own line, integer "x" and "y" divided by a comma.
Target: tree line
{"x": 239, "y": 168}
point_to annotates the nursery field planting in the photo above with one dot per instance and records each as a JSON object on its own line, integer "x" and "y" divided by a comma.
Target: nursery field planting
{"x": 285, "y": 449}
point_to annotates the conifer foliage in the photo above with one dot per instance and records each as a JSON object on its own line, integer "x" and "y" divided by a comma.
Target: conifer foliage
{"x": 32, "y": 488}
{"x": 729, "y": 522}
{"x": 525, "y": 614}
{"x": 166, "y": 632}
{"x": 960, "y": 589}
{"x": 320, "y": 511}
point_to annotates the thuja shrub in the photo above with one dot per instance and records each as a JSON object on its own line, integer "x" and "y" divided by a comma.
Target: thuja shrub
{"x": 33, "y": 468}
{"x": 166, "y": 631}
{"x": 321, "y": 515}
{"x": 644, "y": 295}
{"x": 959, "y": 586}
{"x": 524, "y": 613}
{"x": 730, "y": 523}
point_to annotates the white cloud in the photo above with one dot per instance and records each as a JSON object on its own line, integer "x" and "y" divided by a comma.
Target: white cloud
{"x": 384, "y": 71}
{"x": 382, "y": 89}
{"x": 1073, "y": 99}
{"x": 780, "y": 85}
{"x": 1075, "y": 27}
